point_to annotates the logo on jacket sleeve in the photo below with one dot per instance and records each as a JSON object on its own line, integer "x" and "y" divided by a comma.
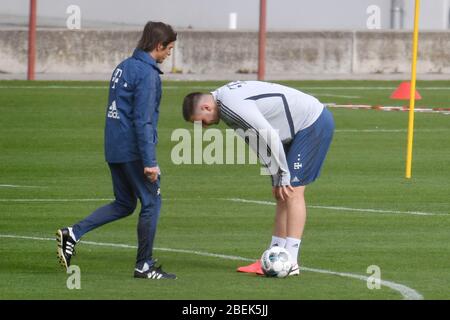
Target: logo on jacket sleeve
{"x": 113, "y": 113}
{"x": 115, "y": 78}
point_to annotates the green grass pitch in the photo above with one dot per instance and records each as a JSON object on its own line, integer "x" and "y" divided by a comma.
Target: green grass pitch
{"x": 361, "y": 210}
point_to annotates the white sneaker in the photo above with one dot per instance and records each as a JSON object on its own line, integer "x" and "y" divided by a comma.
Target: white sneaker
{"x": 295, "y": 270}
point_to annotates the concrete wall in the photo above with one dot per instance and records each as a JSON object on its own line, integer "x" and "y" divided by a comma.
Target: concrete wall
{"x": 290, "y": 53}
{"x": 64, "y": 51}
{"x": 390, "y": 52}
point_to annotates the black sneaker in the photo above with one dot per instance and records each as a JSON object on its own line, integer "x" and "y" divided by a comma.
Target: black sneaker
{"x": 66, "y": 247}
{"x": 154, "y": 272}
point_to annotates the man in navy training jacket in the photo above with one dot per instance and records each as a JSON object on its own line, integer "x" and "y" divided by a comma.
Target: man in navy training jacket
{"x": 130, "y": 142}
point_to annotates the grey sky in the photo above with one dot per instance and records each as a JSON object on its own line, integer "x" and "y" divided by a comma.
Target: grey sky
{"x": 214, "y": 14}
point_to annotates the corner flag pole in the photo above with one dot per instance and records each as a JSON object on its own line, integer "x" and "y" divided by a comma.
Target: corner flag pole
{"x": 262, "y": 40}
{"x": 32, "y": 40}
{"x": 413, "y": 91}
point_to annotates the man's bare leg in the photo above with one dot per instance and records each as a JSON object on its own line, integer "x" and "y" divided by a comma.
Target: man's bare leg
{"x": 290, "y": 219}
{"x": 296, "y": 213}
{"x": 280, "y": 226}
{"x": 296, "y": 219}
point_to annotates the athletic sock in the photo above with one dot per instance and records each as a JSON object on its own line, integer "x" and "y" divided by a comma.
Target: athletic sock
{"x": 293, "y": 247}
{"x": 277, "y": 242}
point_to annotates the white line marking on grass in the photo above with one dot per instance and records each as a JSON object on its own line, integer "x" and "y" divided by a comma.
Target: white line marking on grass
{"x": 210, "y": 87}
{"x": 190, "y": 87}
{"x": 343, "y": 208}
{"x": 56, "y": 200}
{"x": 370, "y": 210}
{"x": 333, "y": 95}
{"x": 12, "y": 236}
{"x": 406, "y": 292}
{"x": 97, "y": 87}
{"x": 366, "y": 88}
{"x": 18, "y": 186}
{"x": 372, "y": 130}
{"x": 53, "y": 87}
{"x": 389, "y": 130}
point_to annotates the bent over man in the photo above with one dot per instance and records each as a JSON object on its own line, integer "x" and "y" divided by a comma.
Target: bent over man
{"x": 297, "y": 131}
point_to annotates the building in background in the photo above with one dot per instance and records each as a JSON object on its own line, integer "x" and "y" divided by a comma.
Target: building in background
{"x": 219, "y": 39}
{"x": 215, "y": 14}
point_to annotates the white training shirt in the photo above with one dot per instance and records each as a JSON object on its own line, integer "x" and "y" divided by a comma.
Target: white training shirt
{"x": 275, "y": 110}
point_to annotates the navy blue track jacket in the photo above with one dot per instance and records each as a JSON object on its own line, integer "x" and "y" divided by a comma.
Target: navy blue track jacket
{"x": 133, "y": 111}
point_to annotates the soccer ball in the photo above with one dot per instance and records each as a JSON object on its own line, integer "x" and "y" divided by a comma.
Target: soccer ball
{"x": 276, "y": 262}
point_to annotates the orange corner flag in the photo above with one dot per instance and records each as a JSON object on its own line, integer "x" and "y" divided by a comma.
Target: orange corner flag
{"x": 403, "y": 92}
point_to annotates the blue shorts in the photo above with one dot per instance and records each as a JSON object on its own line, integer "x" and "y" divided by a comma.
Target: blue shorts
{"x": 306, "y": 153}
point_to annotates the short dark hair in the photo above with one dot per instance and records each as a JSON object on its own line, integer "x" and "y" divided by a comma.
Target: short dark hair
{"x": 155, "y": 33}
{"x": 189, "y": 103}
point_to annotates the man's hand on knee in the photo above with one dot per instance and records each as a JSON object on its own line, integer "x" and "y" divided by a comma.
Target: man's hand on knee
{"x": 282, "y": 192}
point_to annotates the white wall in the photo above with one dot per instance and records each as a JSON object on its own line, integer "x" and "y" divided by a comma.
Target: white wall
{"x": 289, "y": 54}
{"x": 213, "y": 14}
